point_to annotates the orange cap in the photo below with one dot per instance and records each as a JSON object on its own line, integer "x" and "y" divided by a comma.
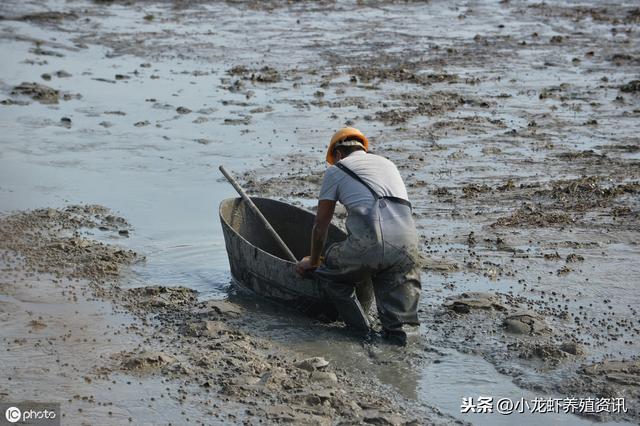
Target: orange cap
{"x": 341, "y": 135}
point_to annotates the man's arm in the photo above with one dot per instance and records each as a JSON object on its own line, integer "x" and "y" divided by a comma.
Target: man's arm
{"x": 318, "y": 236}
{"x": 320, "y": 229}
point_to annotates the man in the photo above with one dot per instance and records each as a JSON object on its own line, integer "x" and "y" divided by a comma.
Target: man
{"x": 381, "y": 242}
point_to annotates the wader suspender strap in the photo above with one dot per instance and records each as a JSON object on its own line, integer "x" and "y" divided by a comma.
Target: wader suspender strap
{"x": 375, "y": 194}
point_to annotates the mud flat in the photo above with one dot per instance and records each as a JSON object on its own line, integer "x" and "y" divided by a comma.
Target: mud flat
{"x": 513, "y": 123}
{"x": 155, "y": 353}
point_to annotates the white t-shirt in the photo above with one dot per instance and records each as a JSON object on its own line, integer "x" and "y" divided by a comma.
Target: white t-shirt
{"x": 381, "y": 174}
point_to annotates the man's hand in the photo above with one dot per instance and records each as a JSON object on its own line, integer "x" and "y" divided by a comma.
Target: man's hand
{"x": 305, "y": 266}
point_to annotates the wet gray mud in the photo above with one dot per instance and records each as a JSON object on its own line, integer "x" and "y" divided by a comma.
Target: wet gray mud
{"x": 514, "y": 125}
{"x": 151, "y": 354}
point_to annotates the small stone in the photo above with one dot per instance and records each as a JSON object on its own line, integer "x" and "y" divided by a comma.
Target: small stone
{"x": 324, "y": 376}
{"x": 525, "y": 322}
{"x": 312, "y": 364}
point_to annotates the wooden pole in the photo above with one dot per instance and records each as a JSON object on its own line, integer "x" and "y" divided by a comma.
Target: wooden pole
{"x": 258, "y": 213}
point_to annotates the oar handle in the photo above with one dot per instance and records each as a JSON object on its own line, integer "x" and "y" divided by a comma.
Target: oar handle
{"x": 258, "y": 213}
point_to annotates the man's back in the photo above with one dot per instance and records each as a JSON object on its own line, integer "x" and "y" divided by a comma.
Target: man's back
{"x": 380, "y": 173}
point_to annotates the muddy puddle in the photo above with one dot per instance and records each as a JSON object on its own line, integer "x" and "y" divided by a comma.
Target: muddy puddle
{"x": 514, "y": 125}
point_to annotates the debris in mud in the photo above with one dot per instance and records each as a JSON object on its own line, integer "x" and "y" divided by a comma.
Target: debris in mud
{"x": 13, "y": 102}
{"x": 36, "y": 235}
{"x": 244, "y": 121}
{"x": 43, "y": 52}
{"x": 526, "y": 322}
{"x": 401, "y": 73}
{"x": 262, "y": 109}
{"x": 160, "y": 297}
{"x": 296, "y": 184}
{"x": 564, "y": 271}
{"x": 464, "y": 303}
{"x": 205, "y": 329}
{"x": 586, "y": 192}
{"x": 146, "y": 360}
{"x": 574, "y": 155}
{"x": 221, "y": 309}
{"x": 474, "y": 189}
{"x": 265, "y": 74}
{"x": 420, "y": 105}
{"x": 623, "y": 211}
{"x": 442, "y": 265}
{"x": 552, "y": 354}
{"x": 47, "y": 16}
{"x": 625, "y": 373}
{"x": 312, "y": 364}
{"x": 552, "y": 256}
{"x": 573, "y": 257}
{"x": 37, "y": 92}
{"x": 529, "y": 215}
{"x": 441, "y": 192}
{"x": 631, "y": 87}
{"x": 104, "y": 80}
{"x": 620, "y": 147}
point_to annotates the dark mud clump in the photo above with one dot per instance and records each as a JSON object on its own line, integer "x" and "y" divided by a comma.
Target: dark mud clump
{"x": 551, "y": 354}
{"x": 475, "y": 300}
{"x": 401, "y": 73}
{"x": 526, "y": 322}
{"x": 295, "y": 184}
{"x": 145, "y": 360}
{"x": 473, "y": 189}
{"x": 587, "y": 192}
{"x": 265, "y": 74}
{"x": 50, "y": 241}
{"x": 157, "y": 297}
{"x": 48, "y": 16}
{"x": 609, "y": 379}
{"x": 37, "y": 92}
{"x": 529, "y": 215}
{"x": 631, "y": 87}
{"x": 419, "y": 105}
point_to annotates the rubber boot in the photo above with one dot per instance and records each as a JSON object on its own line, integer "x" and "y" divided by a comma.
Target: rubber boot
{"x": 346, "y": 303}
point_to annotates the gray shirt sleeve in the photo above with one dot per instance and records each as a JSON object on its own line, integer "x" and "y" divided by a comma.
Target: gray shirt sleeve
{"x": 329, "y": 189}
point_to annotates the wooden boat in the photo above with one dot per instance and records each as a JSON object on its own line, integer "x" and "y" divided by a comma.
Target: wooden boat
{"x": 258, "y": 264}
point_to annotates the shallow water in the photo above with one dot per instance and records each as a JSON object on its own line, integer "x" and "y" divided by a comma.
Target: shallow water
{"x": 163, "y": 175}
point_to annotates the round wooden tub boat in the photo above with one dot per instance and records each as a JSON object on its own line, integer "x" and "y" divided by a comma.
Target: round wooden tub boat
{"x": 258, "y": 264}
